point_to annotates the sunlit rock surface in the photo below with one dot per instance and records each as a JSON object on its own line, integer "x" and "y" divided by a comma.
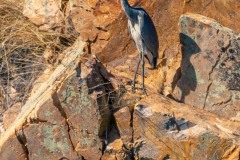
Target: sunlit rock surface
{"x": 195, "y": 135}
{"x": 80, "y": 111}
{"x": 210, "y": 68}
{"x": 104, "y": 25}
{"x": 44, "y": 13}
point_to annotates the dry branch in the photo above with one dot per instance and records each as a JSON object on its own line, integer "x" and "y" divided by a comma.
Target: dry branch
{"x": 65, "y": 69}
{"x": 21, "y": 51}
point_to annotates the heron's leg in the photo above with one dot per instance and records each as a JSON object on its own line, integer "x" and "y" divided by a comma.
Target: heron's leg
{"x": 135, "y": 74}
{"x": 143, "y": 63}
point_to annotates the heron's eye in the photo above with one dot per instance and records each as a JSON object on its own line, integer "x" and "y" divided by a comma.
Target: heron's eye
{"x": 231, "y": 50}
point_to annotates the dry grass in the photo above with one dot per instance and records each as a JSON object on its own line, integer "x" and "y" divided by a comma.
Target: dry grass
{"x": 21, "y": 53}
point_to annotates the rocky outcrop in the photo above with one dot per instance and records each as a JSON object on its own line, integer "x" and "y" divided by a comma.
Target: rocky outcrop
{"x": 104, "y": 26}
{"x": 75, "y": 121}
{"x": 123, "y": 119}
{"x": 79, "y": 110}
{"x": 84, "y": 102}
{"x": 196, "y": 134}
{"x": 73, "y": 116}
{"x": 210, "y": 66}
{"x": 35, "y": 125}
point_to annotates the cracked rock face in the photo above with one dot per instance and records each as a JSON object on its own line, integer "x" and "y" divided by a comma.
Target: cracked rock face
{"x": 71, "y": 124}
{"x": 47, "y": 136}
{"x": 210, "y": 66}
{"x": 83, "y": 100}
{"x": 48, "y": 141}
{"x": 199, "y": 135}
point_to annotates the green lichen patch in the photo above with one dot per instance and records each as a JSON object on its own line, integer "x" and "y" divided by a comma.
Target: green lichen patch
{"x": 55, "y": 138}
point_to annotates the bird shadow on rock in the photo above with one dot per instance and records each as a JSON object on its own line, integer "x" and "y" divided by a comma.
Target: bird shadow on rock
{"x": 185, "y": 77}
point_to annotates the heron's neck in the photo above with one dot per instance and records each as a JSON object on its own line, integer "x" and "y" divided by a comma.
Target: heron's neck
{"x": 126, "y": 7}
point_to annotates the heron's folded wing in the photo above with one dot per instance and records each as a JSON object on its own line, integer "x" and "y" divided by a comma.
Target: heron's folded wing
{"x": 148, "y": 32}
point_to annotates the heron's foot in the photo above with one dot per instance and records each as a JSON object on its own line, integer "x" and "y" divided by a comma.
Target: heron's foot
{"x": 134, "y": 88}
{"x": 137, "y": 88}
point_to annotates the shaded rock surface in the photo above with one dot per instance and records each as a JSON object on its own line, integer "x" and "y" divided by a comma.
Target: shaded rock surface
{"x": 48, "y": 141}
{"x": 210, "y": 66}
{"x": 74, "y": 122}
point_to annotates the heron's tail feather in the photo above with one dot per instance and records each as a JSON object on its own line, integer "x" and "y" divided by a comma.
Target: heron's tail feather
{"x": 154, "y": 63}
{"x": 152, "y": 60}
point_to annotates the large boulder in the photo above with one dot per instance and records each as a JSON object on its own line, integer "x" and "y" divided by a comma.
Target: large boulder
{"x": 165, "y": 129}
{"x": 83, "y": 99}
{"x": 44, "y": 13}
{"x": 210, "y": 66}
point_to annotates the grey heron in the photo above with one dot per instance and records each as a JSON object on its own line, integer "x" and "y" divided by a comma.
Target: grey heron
{"x": 144, "y": 34}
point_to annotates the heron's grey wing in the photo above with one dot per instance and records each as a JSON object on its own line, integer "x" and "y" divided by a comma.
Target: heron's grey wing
{"x": 148, "y": 32}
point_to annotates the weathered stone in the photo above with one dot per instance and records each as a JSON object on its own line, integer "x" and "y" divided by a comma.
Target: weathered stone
{"x": 84, "y": 100}
{"x": 201, "y": 135}
{"x": 90, "y": 19}
{"x": 48, "y": 141}
{"x": 115, "y": 148}
{"x": 44, "y": 13}
{"x": 114, "y": 151}
{"x": 11, "y": 114}
{"x": 48, "y": 136}
{"x": 13, "y": 150}
{"x": 49, "y": 112}
{"x": 73, "y": 120}
{"x": 123, "y": 119}
{"x": 210, "y": 66}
